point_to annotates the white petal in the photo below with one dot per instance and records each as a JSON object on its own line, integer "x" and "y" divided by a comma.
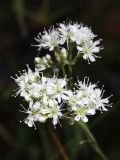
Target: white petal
{"x": 51, "y": 103}
{"x": 29, "y": 122}
{"x": 85, "y": 57}
{"x": 98, "y": 92}
{"x": 77, "y": 118}
{"x": 65, "y": 97}
{"x": 79, "y": 48}
{"x": 80, "y": 102}
{"x": 55, "y": 120}
{"x": 104, "y": 109}
{"x": 45, "y": 110}
{"x": 96, "y": 49}
{"x": 74, "y": 108}
{"x": 42, "y": 119}
{"x": 45, "y": 100}
{"x": 30, "y": 104}
{"x": 59, "y": 98}
{"x": 91, "y": 111}
{"x": 85, "y": 119}
{"x": 92, "y": 59}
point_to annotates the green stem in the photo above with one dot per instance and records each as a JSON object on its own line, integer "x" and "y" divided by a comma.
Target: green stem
{"x": 94, "y": 143}
{"x": 60, "y": 60}
{"x": 74, "y": 61}
{"x": 63, "y": 70}
{"x": 70, "y": 48}
{"x": 70, "y": 75}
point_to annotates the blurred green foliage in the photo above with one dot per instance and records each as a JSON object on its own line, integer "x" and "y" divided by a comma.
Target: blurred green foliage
{"x": 20, "y": 21}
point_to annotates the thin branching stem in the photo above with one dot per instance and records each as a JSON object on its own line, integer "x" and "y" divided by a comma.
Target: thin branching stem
{"x": 58, "y": 144}
{"x": 93, "y": 143}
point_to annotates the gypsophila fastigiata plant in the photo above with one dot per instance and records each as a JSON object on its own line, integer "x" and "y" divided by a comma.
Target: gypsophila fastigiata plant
{"x": 56, "y": 97}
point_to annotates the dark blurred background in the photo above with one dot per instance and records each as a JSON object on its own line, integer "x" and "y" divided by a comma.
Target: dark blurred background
{"x": 20, "y": 22}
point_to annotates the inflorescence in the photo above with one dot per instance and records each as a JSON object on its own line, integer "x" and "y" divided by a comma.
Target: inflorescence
{"x": 52, "y": 98}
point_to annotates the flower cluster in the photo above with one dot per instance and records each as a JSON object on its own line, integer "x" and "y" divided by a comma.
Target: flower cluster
{"x": 45, "y": 96}
{"x": 86, "y": 100}
{"x": 66, "y": 33}
{"x": 48, "y": 98}
{"x": 55, "y": 98}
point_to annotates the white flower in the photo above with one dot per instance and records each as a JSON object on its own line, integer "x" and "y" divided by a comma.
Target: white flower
{"x": 57, "y": 88}
{"x": 31, "y": 85}
{"x": 73, "y": 100}
{"x": 81, "y": 113}
{"x": 47, "y": 94}
{"x": 91, "y": 95}
{"x": 101, "y": 104}
{"x": 88, "y": 48}
{"x": 34, "y": 90}
{"x": 29, "y": 121}
{"x": 79, "y": 107}
{"x": 52, "y": 111}
{"x": 85, "y": 91}
{"x": 38, "y": 89}
{"x": 83, "y": 35}
{"x": 34, "y": 114}
{"x": 86, "y": 99}
{"x": 68, "y": 31}
{"x": 24, "y": 80}
{"x": 48, "y": 40}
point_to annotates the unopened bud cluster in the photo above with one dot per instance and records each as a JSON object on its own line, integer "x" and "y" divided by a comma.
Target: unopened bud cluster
{"x": 43, "y": 63}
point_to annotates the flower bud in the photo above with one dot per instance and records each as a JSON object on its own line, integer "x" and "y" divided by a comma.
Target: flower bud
{"x": 64, "y": 53}
{"x": 45, "y": 60}
{"x": 27, "y": 98}
{"x": 48, "y": 57}
{"x": 37, "y": 59}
